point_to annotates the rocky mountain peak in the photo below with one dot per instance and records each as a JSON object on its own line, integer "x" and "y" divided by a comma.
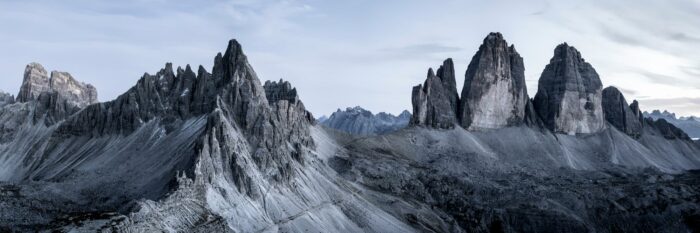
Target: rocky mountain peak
{"x": 435, "y": 102}
{"x": 619, "y": 114}
{"x": 36, "y": 82}
{"x": 359, "y": 121}
{"x": 494, "y": 93}
{"x": 569, "y": 96}
{"x": 446, "y": 73}
{"x": 76, "y": 93}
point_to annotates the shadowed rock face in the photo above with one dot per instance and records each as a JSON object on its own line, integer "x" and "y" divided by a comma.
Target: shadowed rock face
{"x": 569, "y": 96}
{"x": 666, "y": 129}
{"x": 435, "y": 102}
{"x": 636, "y": 111}
{"x": 6, "y": 98}
{"x": 494, "y": 93}
{"x": 36, "y": 82}
{"x": 619, "y": 114}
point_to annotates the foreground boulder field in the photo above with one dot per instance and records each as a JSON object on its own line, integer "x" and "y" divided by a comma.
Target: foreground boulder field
{"x": 219, "y": 151}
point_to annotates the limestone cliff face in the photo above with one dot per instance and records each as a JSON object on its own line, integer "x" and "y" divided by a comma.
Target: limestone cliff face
{"x": 76, "y": 93}
{"x": 435, "y": 103}
{"x": 36, "y": 82}
{"x": 569, "y": 96}
{"x": 494, "y": 93}
{"x": 619, "y": 114}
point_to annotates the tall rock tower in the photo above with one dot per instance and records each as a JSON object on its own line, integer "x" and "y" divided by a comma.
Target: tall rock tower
{"x": 621, "y": 115}
{"x": 569, "y": 94}
{"x": 494, "y": 94}
{"x": 435, "y": 103}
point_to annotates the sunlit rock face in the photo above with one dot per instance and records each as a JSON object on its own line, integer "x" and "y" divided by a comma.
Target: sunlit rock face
{"x": 569, "y": 96}
{"x": 494, "y": 94}
{"x": 619, "y": 114}
{"x": 435, "y": 103}
{"x": 36, "y": 82}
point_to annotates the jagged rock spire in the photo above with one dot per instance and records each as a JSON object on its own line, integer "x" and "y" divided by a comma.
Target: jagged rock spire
{"x": 435, "y": 102}
{"x": 637, "y": 111}
{"x": 569, "y": 94}
{"x": 619, "y": 114}
{"x": 494, "y": 93}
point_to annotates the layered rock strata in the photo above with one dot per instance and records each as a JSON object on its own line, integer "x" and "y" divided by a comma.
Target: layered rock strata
{"x": 569, "y": 96}
{"x": 494, "y": 93}
{"x": 36, "y": 82}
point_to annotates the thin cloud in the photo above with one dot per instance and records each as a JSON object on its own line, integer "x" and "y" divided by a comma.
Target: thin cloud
{"x": 682, "y": 106}
{"x": 668, "y": 80}
{"x": 421, "y": 49}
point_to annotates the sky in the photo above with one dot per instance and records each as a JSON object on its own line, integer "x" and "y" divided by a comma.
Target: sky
{"x": 369, "y": 53}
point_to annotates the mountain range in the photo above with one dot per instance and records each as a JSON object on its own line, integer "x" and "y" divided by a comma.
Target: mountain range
{"x": 690, "y": 125}
{"x": 220, "y": 151}
{"x": 358, "y": 121}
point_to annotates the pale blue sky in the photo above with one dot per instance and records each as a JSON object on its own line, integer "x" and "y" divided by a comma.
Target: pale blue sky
{"x": 356, "y": 52}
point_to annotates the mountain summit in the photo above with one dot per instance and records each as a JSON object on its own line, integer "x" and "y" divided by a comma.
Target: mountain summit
{"x": 494, "y": 94}
{"x": 569, "y": 95}
{"x": 194, "y": 151}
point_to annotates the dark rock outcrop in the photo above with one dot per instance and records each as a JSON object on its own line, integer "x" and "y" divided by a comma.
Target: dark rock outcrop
{"x": 619, "y": 114}
{"x": 359, "y": 121}
{"x": 569, "y": 96}
{"x": 6, "y": 98}
{"x": 637, "y": 111}
{"x": 36, "y": 82}
{"x": 435, "y": 102}
{"x": 494, "y": 93}
{"x": 667, "y": 130}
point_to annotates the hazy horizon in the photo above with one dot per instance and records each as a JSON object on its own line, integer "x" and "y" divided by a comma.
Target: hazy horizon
{"x": 358, "y": 53}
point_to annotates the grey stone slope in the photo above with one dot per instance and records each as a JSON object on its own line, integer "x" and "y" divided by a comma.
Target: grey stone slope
{"x": 361, "y": 122}
{"x": 519, "y": 179}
